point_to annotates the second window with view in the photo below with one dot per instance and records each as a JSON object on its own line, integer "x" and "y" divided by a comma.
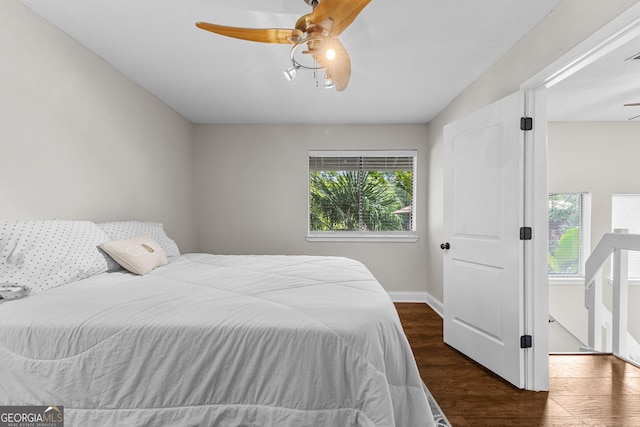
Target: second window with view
{"x": 567, "y": 233}
{"x": 361, "y": 192}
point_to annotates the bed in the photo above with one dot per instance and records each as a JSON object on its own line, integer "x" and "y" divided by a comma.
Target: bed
{"x": 202, "y": 339}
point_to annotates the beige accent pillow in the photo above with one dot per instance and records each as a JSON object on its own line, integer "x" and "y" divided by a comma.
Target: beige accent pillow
{"x": 139, "y": 254}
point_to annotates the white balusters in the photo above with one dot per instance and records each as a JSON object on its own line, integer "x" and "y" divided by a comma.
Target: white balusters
{"x": 605, "y": 335}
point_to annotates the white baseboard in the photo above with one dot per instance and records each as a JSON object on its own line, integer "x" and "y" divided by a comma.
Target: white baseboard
{"x": 436, "y": 305}
{"x": 419, "y": 297}
{"x": 408, "y": 296}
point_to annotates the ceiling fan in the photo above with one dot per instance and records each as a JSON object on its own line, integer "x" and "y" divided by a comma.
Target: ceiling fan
{"x": 633, "y": 104}
{"x": 319, "y": 30}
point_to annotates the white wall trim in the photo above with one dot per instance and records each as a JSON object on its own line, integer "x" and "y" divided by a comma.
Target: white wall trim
{"x": 436, "y": 305}
{"x": 566, "y": 281}
{"x": 619, "y": 31}
{"x": 408, "y": 296}
{"x": 419, "y": 297}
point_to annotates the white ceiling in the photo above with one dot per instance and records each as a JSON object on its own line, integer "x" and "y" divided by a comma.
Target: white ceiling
{"x": 410, "y": 58}
{"x": 599, "y": 91}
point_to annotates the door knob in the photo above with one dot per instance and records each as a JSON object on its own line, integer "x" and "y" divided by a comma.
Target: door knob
{"x": 445, "y": 246}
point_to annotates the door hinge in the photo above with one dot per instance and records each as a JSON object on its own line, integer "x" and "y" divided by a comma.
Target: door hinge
{"x": 525, "y": 233}
{"x": 526, "y": 341}
{"x": 526, "y": 123}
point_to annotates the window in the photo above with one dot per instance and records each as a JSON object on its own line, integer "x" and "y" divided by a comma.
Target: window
{"x": 567, "y": 233}
{"x": 362, "y": 194}
{"x": 626, "y": 215}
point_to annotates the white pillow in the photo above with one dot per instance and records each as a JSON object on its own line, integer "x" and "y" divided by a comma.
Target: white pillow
{"x": 41, "y": 255}
{"x": 139, "y": 255}
{"x": 118, "y": 230}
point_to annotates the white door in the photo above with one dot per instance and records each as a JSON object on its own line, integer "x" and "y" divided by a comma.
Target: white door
{"x": 483, "y": 211}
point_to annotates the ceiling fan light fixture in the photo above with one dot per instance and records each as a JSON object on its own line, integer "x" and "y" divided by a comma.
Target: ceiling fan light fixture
{"x": 328, "y": 83}
{"x": 634, "y": 57}
{"x": 291, "y": 72}
{"x": 318, "y": 30}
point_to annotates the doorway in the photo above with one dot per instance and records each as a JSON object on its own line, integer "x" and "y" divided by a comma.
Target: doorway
{"x": 592, "y": 151}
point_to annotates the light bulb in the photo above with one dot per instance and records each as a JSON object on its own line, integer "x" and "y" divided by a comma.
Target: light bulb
{"x": 328, "y": 83}
{"x": 291, "y": 72}
{"x": 331, "y": 54}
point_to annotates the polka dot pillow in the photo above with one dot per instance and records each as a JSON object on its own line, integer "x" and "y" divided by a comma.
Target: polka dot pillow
{"x": 40, "y": 255}
{"x": 120, "y": 230}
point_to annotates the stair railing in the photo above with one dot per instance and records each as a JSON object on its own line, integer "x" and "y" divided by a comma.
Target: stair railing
{"x": 615, "y": 338}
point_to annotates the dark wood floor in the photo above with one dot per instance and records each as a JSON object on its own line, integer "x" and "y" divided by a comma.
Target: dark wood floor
{"x": 585, "y": 390}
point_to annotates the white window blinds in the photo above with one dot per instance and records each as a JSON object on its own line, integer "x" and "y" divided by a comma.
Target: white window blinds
{"x": 364, "y": 163}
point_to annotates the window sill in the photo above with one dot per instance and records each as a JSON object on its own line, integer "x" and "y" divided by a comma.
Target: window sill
{"x": 355, "y": 236}
{"x": 575, "y": 280}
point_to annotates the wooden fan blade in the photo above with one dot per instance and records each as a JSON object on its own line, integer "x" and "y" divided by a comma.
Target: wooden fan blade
{"x": 338, "y": 69}
{"x": 634, "y": 104}
{"x": 266, "y": 35}
{"x": 341, "y": 12}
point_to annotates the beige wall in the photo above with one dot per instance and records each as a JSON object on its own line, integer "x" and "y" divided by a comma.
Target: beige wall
{"x": 565, "y": 27}
{"x": 601, "y": 159}
{"x": 78, "y": 140}
{"x": 252, "y": 194}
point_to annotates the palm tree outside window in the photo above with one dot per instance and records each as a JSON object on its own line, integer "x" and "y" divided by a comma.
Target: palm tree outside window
{"x": 362, "y": 193}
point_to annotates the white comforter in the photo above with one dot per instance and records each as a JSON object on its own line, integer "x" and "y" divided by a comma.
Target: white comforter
{"x": 215, "y": 341}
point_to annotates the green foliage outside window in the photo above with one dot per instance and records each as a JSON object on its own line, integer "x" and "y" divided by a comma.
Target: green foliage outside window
{"x": 360, "y": 200}
{"x": 564, "y": 256}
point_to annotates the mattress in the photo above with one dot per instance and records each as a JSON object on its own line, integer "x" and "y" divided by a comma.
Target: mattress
{"x": 213, "y": 340}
